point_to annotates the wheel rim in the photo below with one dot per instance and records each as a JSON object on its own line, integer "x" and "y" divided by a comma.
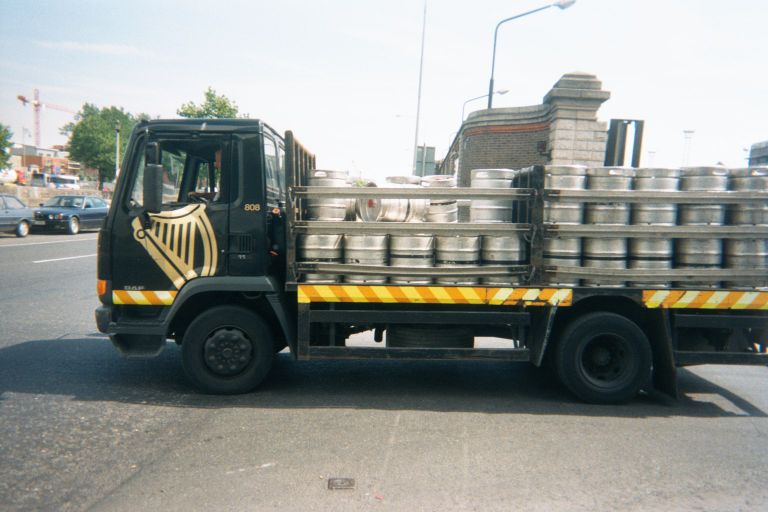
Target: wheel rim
{"x": 607, "y": 361}
{"x": 23, "y": 229}
{"x": 227, "y": 351}
{"x": 74, "y": 225}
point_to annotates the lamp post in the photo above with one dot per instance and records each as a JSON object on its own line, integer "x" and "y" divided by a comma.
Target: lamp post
{"x": 561, "y": 4}
{"x": 502, "y": 91}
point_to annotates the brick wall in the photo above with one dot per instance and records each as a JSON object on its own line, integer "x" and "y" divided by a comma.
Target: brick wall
{"x": 495, "y": 147}
{"x": 564, "y": 129}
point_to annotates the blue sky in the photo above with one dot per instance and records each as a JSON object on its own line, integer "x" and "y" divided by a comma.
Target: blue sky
{"x": 343, "y": 74}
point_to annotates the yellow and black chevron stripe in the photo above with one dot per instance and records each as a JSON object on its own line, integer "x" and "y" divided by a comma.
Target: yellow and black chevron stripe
{"x": 143, "y": 298}
{"x": 434, "y": 295}
{"x": 705, "y": 299}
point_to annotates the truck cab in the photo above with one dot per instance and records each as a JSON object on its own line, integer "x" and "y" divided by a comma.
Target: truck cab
{"x": 195, "y": 199}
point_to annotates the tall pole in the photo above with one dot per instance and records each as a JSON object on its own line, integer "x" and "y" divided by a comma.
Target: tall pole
{"x": 117, "y": 149}
{"x": 687, "y": 137}
{"x": 36, "y": 106}
{"x": 418, "y": 100}
{"x": 23, "y": 148}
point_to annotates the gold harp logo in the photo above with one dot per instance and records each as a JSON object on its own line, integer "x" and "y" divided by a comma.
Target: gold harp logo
{"x": 172, "y": 242}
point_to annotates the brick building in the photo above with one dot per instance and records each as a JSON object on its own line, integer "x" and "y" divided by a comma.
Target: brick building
{"x": 758, "y": 154}
{"x": 27, "y": 158}
{"x": 562, "y": 130}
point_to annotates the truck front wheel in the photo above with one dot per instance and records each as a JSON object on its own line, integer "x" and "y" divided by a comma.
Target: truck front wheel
{"x": 603, "y": 358}
{"x": 227, "y": 350}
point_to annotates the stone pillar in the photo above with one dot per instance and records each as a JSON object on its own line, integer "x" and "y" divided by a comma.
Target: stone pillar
{"x": 575, "y": 135}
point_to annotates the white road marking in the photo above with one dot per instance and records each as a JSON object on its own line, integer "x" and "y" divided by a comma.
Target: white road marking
{"x": 46, "y": 243}
{"x": 62, "y": 259}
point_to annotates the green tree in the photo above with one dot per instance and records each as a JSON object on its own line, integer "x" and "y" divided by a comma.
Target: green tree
{"x": 92, "y": 137}
{"x": 5, "y": 145}
{"x": 215, "y": 105}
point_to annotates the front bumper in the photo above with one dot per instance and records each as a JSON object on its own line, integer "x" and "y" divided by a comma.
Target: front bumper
{"x": 103, "y": 318}
{"x": 50, "y": 223}
{"x": 131, "y": 339}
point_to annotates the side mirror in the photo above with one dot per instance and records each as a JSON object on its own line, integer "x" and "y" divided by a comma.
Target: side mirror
{"x": 153, "y": 188}
{"x": 152, "y": 153}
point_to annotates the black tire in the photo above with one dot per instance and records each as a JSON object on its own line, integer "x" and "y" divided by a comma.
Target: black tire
{"x": 433, "y": 336}
{"x": 603, "y": 358}
{"x": 73, "y": 226}
{"x": 22, "y": 229}
{"x": 227, "y": 350}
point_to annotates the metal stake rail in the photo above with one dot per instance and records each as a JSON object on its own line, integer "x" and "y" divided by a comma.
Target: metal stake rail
{"x": 655, "y": 232}
{"x": 414, "y": 193}
{"x": 643, "y": 196}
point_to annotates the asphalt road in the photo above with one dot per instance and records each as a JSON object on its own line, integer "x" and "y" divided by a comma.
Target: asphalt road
{"x": 83, "y": 429}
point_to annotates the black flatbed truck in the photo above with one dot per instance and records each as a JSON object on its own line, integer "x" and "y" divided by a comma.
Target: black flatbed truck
{"x": 200, "y": 247}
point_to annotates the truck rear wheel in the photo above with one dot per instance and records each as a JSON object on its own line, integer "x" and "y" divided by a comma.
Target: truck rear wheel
{"x": 603, "y": 358}
{"x": 227, "y": 350}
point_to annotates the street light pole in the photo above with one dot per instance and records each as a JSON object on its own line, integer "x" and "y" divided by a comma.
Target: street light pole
{"x": 502, "y": 91}
{"x": 561, "y": 4}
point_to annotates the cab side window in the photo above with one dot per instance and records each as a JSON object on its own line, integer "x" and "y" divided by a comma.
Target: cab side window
{"x": 194, "y": 171}
{"x": 272, "y": 172}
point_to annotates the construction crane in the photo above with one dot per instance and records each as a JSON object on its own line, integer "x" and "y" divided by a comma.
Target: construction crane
{"x": 37, "y": 105}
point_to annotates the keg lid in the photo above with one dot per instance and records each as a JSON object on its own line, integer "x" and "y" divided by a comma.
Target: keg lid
{"x": 651, "y": 172}
{"x": 319, "y": 173}
{"x": 619, "y": 172}
{"x": 566, "y": 170}
{"x": 703, "y": 171}
{"x": 493, "y": 174}
{"x": 439, "y": 180}
{"x": 748, "y": 172}
{"x": 403, "y": 180}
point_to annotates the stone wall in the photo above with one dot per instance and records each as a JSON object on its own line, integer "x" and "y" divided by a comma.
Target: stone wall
{"x": 33, "y": 196}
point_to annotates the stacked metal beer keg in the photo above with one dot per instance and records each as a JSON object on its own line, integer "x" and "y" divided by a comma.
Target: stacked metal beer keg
{"x": 441, "y": 210}
{"x": 324, "y": 248}
{"x": 701, "y": 253}
{"x": 653, "y": 253}
{"x": 749, "y": 253}
{"x": 497, "y": 250}
{"x": 607, "y": 252}
{"x": 365, "y": 250}
{"x": 564, "y": 252}
{"x": 414, "y": 250}
{"x": 449, "y": 251}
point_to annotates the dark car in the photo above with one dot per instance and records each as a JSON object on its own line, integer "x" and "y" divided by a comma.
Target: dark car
{"x": 15, "y": 217}
{"x": 71, "y": 213}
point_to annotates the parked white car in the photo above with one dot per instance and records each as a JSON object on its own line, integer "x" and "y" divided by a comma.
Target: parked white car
{"x": 7, "y": 176}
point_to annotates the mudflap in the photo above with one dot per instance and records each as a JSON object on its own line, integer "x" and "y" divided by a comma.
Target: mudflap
{"x": 138, "y": 345}
{"x": 659, "y": 332}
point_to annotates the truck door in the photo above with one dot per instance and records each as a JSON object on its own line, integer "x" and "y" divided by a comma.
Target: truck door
{"x": 188, "y": 238}
{"x": 249, "y": 250}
